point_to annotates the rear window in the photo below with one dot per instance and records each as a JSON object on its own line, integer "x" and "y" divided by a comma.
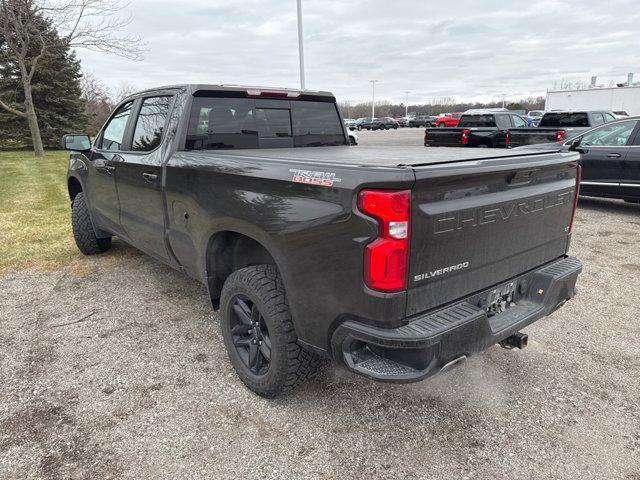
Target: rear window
{"x": 576, "y": 119}
{"x": 237, "y": 123}
{"x": 477, "y": 121}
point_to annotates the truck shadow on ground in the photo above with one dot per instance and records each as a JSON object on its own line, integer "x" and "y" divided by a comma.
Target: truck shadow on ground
{"x": 607, "y": 205}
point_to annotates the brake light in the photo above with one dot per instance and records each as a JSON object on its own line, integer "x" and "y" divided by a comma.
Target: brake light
{"x": 465, "y": 136}
{"x": 560, "y": 135}
{"x": 506, "y": 139}
{"x": 575, "y": 199}
{"x": 272, "y": 93}
{"x": 387, "y": 257}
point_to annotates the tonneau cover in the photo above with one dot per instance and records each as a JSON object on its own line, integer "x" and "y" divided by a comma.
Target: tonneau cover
{"x": 376, "y": 156}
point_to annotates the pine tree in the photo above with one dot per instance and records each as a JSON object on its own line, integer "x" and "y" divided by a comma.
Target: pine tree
{"x": 56, "y": 96}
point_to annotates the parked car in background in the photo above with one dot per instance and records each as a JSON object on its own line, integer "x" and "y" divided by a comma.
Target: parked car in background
{"x": 402, "y": 121}
{"x": 422, "y": 121}
{"x": 484, "y": 130}
{"x": 610, "y": 158}
{"x": 384, "y": 123}
{"x": 620, "y": 114}
{"x": 448, "y": 119}
{"x": 558, "y": 127}
{"x": 397, "y": 266}
{"x": 349, "y": 123}
{"x": 363, "y": 123}
{"x": 353, "y": 137}
{"x": 535, "y": 116}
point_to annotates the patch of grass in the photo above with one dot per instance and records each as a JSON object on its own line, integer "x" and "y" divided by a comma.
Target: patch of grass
{"x": 35, "y": 222}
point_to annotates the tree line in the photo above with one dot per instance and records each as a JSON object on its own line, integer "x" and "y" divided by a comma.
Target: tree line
{"x": 434, "y": 107}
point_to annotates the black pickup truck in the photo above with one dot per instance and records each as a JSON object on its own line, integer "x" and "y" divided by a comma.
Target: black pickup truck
{"x": 484, "y": 130}
{"x": 396, "y": 262}
{"x": 422, "y": 121}
{"x": 558, "y": 126}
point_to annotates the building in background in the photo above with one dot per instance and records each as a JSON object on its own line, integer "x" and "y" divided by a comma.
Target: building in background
{"x": 624, "y": 97}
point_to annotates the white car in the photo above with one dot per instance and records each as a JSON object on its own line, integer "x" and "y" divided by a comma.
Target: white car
{"x": 353, "y": 137}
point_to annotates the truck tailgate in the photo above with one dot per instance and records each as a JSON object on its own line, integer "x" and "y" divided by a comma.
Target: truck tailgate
{"x": 444, "y": 137}
{"x": 519, "y": 137}
{"x": 479, "y": 223}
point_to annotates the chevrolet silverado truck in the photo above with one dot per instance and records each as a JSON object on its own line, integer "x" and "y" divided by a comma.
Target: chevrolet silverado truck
{"x": 558, "y": 126}
{"x": 396, "y": 262}
{"x": 483, "y": 130}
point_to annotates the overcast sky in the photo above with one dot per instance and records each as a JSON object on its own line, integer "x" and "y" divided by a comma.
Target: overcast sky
{"x": 473, "y": 49}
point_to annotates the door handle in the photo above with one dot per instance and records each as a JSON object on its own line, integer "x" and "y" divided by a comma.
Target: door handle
{"x": 149, "y": 177}
{"x": 613, "y": 155}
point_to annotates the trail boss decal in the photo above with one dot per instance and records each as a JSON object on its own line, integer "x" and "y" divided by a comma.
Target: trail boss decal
{"x": 325, "y": 179}
{"x": 440, "y": 271}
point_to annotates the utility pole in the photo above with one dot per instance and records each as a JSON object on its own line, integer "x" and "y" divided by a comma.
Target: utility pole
{"x": 300, "y": 46}
{"x": 406, "y": 103}
{"x": 373, "y": 98}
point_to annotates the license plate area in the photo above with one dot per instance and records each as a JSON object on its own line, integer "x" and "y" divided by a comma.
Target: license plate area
{"x": 499, "y": 299}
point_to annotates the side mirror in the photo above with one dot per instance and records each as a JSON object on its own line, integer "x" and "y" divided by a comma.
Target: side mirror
{"x": 76, "y": 142}
{"x": 574, "y": 146}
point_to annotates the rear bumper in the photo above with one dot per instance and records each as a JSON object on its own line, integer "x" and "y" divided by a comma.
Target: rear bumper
{"x": 431, "y": 342}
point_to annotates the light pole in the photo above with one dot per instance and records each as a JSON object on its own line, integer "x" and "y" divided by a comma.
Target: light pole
{"x": 300, "y": 47}
{"x": 373, "y": 98}
{"x": 406, "y": 103}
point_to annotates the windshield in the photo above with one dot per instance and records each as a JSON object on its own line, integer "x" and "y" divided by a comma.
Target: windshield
{"x": 566, "y": 119}
{"x": 477, "y": 121}
{"x": 237, "y": 123}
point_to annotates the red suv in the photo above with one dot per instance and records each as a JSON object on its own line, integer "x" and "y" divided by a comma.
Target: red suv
{"x": 448, "y": 119}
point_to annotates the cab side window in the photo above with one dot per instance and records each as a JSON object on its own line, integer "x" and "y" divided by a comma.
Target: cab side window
{"x": 113, "y": 135}
{"x": 612, "y": 135}
{"x": 518, "y": 122}
{"x": 150, "y": 124}
{"x": 598, "y": 119}
{"x": 503, "y": 122}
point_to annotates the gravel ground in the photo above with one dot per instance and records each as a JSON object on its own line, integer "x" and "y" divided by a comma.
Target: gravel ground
{"x": 119, "y": 371}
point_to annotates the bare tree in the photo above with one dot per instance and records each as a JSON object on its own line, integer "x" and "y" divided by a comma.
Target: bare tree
{"x": 97, "y": 102}
{"x": 30, "y": 29}
{"x": 124, "y": 90}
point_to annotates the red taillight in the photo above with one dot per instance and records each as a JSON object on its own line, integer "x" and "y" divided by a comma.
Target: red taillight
{"x": 560, "y": 135}
{"x": 386, "y": 258}
{"x": 506, "y": 140}
{"x": 575, "y": 199}
{"x": 465, "y": 137}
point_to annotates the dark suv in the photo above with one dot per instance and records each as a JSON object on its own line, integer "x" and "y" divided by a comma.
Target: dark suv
{"x": 384, "y": 123}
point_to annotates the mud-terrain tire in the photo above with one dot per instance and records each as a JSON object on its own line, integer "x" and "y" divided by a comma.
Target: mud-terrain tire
{"x": 83, "y": 232}
{"x": 253, "y": 308}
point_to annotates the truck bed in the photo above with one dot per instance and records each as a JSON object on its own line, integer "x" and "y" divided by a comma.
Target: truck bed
{"x": 376, "y": 156}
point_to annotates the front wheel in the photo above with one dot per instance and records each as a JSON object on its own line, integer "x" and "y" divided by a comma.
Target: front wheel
{"x": 83, "y": 231}
{"x": 259, "y": 335}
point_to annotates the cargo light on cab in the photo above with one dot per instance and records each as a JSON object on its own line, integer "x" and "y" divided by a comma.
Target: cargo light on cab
{"x": 386, "y": 258}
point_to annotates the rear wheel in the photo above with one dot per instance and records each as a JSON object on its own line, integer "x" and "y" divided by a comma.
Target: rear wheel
{"x": 441, "y": 125}
{"x": 83, "y": 231}
{"x": 359, "y": 127}
{"x": 258, "y": 333}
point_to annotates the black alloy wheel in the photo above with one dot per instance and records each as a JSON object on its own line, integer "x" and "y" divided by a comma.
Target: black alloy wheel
{"x": 250, "y": 335}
